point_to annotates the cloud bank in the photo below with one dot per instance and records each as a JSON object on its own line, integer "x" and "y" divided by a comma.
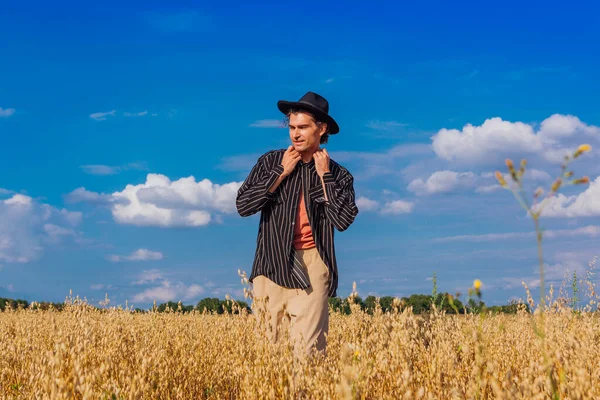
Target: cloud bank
{"x": 28, "y": 226}
{"x": 165, "y": 203}
{"x": 138, "y": 255}
{"x": 496, "y": 138}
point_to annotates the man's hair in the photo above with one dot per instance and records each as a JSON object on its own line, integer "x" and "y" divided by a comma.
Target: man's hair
{"x": 324, "y": 137}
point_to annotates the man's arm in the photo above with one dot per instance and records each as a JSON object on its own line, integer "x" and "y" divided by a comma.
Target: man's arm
{"x": 277, "y": 183}
{"x": 260, "y": 185}
{"x": 335, "y": 191}
{"x": 338, "y": 199}
{"x": 258, "y": 188}
{"x": 340, "y": 206}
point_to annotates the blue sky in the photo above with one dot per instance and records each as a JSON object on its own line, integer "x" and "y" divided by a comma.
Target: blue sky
{"x": 169, "y": 106}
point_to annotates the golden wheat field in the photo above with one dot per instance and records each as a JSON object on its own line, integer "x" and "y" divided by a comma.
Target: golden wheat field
{"x": 84, "y": 352}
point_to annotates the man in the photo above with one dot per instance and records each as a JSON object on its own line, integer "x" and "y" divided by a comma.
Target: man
{"x": 302, "y": 196}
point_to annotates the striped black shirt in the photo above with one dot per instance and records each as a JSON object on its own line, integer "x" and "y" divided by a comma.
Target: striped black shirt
{"x": 274, "y": 256}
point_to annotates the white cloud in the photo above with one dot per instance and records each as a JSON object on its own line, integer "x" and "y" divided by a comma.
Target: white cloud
{"x": 101, "y": 116}
{"x": 145, "y": 255}
{"x": 138, "y": 114}
{"x": 558, "y": 127}
{"x": 166, "y": 203}
{"x": 537, "y": 175}
{"x": 366, "y": 204}
{"x": 442, "y": 182}
{"x": 488, "y": 188}
{"x": 81, "y": 194}
{"x": 7, "y": 287}
{"x": 585, "y": 204}
{"x": 476, "y": 143}
{"x": 370, "y": 165}
{"x": 138, "y": 166}
{"x": 268, "y": 123}
{"x": 222, "y": 291}
{"x": 97, "y": 286}
{"x": 57, "y": 233}
{"x": 6, "y": 112}
{"x": 193, "y": 291}
{"x": 73, "y": 218}
{"x": 138, "y": 255}
{"x": 397, "y": 152}
{"x": 169, "y": 292}
{"x": 388, "y": 207}
{"x": 397, "y": 207}
{"x": 384, "y": 125}
{"x": 241, "y": 162}
{"x": 558, "y": 130}
{"x": 149, "y": 276}
{"x": 496, "y": 139}
{"x": 99, "y": 169}
{"x": 534, "y": 175}
{"x": 589, "y": 231}
{"x": 185, "y": 202}
{"x": 485, "y": 237}
{"x": 19, "y": 199}
{"x": 27, "y": 226}
{"x": 560, "y": 271}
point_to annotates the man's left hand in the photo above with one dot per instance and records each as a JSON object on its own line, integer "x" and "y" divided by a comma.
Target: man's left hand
{"x": 321, "y": 158}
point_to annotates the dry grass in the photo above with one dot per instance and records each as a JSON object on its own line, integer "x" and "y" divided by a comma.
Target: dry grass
{"x": 86, "y": 353}
{"x": 83, "y": 352}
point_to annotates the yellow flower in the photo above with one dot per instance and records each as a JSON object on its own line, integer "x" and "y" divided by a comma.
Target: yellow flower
{"x": 477, "y": 284}
{"x": 500, "y": 179}
{"x": 511, "y": 169}
{"x": 522, "y": 169}
{"x": 556, "y": 185}
{"x": 356, "y": 353}
{"x": 585, "y": 179}
{"x": 582, "y": 149}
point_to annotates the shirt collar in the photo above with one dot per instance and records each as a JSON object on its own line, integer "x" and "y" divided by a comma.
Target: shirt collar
{"x": 310, "y": 164}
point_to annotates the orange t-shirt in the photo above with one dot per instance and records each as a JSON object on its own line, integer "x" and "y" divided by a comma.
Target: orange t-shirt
{"x": 303, "y": 238}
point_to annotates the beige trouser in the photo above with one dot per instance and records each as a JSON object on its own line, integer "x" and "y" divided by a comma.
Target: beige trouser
{"x": 304, "y": 312}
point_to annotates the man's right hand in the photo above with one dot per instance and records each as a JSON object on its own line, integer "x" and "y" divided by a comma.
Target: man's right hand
{"x": 290, "y": 159}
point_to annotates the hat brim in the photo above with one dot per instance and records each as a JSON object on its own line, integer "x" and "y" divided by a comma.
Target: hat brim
{"x": 284, "y": 106}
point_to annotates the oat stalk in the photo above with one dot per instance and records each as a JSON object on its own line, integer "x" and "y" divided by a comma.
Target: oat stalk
{"x": 534, "y": 209}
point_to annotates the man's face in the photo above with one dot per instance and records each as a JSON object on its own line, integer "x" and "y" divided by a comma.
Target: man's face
{"x": 305, "y": 134}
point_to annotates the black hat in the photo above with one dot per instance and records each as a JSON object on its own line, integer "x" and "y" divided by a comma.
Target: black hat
{"x": 315, "y": 104}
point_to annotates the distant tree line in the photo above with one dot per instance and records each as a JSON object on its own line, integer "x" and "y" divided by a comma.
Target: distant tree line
{"x": 210, "y": 304}
{"x": 420, "y": 304}
{"x": 12, "y": 303}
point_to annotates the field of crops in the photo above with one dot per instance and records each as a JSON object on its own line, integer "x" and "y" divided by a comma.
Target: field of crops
{"x": 82, "y": 352}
